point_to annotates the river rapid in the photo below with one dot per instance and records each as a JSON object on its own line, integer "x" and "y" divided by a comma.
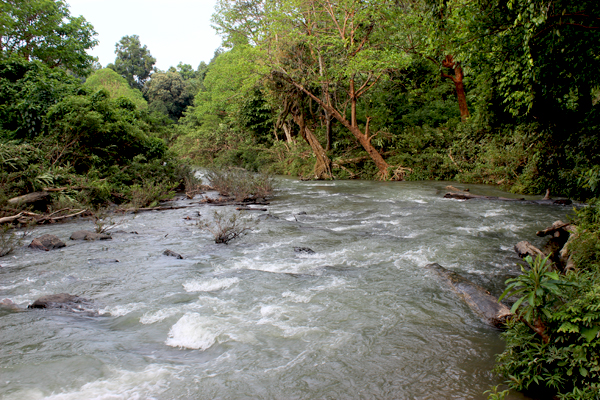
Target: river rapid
{"x": 361, "y": 318}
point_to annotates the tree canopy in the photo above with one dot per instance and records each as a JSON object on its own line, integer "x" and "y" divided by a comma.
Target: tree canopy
{"x": 134, "y": 61}
{"x": 45, "y": 30}
{"x": 116, "y": 86}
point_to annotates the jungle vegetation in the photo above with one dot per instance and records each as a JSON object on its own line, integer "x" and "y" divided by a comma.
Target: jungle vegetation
{"x": 504, "y": 92}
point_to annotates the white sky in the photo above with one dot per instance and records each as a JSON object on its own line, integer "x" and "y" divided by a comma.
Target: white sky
{"x": 173, "y": 31}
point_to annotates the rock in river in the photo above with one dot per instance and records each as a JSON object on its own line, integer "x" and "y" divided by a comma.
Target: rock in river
{"x": 62, "y": 301}
{"x": 47, "y": 242}
{"x": 171, "y": 253}
{"x": 89, "y": 235}
{"x": 304, "y": 250}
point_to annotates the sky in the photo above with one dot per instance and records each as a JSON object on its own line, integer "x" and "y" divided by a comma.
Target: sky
{"x": 173, "y": 31}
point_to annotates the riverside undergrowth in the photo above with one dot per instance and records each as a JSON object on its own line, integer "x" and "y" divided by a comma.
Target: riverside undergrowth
{"x": 553, "y": 341}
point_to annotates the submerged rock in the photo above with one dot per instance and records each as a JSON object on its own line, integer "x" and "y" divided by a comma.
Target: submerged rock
{"x": 479, "y": 299}
{"x": 63, "y": 301}
{"x": 304, "y": 250}
{"x": 47, "y": 242}
{"x": 171, "y": 253}
{"x": 9, "y": 305}
{"x": 89, "y": 235}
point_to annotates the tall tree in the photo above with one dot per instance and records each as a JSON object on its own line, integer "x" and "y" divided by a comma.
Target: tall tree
{"x": 134, "y": 61}
{"x": 45, "y": 30}
{"x": 332, "y": 51}
{"x": 169, "y": 93}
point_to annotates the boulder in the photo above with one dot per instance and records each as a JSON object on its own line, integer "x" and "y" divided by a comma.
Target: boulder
{"x": 171, "y": 253}
{"x": 304, "y": 250}
{"x": 47, "y": 242}
{"x": 479, "y": 299}
{"x": 63, "y": 301}
{"x": 89, "y": 235}
{"x": 9, "y": 305}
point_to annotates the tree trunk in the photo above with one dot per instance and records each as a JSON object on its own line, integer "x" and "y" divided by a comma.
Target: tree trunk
{"x": 328, "y": 130}
{"x": 458, "y": 85}
{"x": 323, "y": 163}
{"x": 363, "y": 138}
{"x": 288, "y": 133}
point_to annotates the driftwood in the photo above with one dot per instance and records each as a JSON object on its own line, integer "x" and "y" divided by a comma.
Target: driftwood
{"x": 26, "y": 217}
{"x": 525, "y": 249}
{"x": 29, "y": 198}
{"x": 557, "y": 228}
{"x": 560, "y": 233}
{"x": 159, "y": 208}
{"x": 226, "y": 201}
{"x": 469, "y": 196}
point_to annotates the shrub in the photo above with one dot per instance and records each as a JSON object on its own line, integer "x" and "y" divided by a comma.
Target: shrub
{"x": 553, "y": 342}
{"x": 226, "y": 228}
{"x": 240, "y": 184}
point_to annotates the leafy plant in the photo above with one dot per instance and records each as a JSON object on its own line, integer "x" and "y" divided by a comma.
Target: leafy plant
{"x": 537, "y": 289}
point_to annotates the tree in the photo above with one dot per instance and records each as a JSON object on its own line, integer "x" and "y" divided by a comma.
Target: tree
{"x": 44, "y": 30}
{"x": 169, "y": 93}
{"x": 116, "y": 86}
{"x": 332, "y": 51}
{"x": 134, "y": 61}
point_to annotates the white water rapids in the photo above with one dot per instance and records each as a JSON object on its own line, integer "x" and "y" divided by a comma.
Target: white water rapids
{"x": 358, "y": 319}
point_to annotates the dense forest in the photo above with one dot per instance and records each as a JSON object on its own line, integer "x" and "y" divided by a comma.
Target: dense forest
{"x": 475, "y": 91}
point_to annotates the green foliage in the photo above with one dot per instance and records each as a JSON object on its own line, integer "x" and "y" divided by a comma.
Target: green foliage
{"x": 27, "y": 91}
{"x": 537, "y": 287}
{"x": 116, "y": 86}
{"x": 134, "y": 61}
{"x": 68, "y": 137}
{"x": 44, "y": 30}
{"x": 169, "y": 94}
{"x": 567, "y": 363}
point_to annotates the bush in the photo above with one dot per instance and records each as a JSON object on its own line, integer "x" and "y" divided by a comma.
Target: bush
{"x": 553, "y": 342}
{"x": 225, "y": 229}
{"x": 240, "y": 184}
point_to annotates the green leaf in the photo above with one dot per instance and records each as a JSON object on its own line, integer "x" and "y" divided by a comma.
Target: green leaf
{"x": 590, "y": 333}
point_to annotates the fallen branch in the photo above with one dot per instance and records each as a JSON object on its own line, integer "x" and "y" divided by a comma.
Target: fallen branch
{"x": 54, "y": 219}
{"x": 11, "y": 219}
{"x": 469, "y": 196}
{"x": 159, "y": 208}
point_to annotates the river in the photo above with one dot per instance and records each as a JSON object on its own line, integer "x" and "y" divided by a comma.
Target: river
{"x": 361, "y": 318}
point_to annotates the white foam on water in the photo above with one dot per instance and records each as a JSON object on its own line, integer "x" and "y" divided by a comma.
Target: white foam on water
{"x": 121, "y": 310}
{"x": 497, "y": 227}
{"x": 295, "y": 297}
{"x": 495, "y": 213}
{"x": 25, "y": 281}
{"x": 194, "y": 331}
{"x": 336, "y": 282}
{"x": 419, "y": 257}
{"x": 209, "y": 285}
{"x": 121, "y": 385}
{"x": 157, "y": 316}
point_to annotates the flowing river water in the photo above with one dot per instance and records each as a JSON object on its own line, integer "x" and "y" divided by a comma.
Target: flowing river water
{"x": 361, "y": 318}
